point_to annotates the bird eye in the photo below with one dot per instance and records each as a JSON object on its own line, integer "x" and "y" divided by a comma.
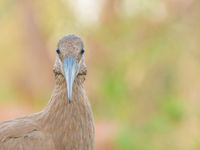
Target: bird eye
{"x": 57, "y": 50}
{"x": 82, "y": 50}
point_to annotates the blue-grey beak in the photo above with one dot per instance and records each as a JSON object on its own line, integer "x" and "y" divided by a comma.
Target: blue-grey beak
{"x": 70, "y": 68}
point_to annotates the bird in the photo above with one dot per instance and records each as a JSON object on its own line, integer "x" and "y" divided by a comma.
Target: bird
{"x": 66, "y": 122}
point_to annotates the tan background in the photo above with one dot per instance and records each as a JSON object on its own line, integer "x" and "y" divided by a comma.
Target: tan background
{"x": 143, "y": 58}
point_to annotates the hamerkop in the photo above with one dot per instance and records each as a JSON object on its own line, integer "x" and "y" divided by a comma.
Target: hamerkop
{"x": 66, "y": 123}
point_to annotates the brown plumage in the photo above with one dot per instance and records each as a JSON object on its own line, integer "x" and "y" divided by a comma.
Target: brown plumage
{"x": 66, "y": 123}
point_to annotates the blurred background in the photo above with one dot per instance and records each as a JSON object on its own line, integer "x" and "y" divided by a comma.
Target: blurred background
{"x": 143, "y": 61}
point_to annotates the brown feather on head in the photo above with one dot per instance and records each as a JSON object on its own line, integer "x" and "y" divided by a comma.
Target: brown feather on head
{"x": 70, "y": 60}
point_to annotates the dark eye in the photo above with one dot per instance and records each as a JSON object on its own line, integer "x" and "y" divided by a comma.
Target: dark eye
{"x": 57, "y": 50}
{"x": 82, "y": 50}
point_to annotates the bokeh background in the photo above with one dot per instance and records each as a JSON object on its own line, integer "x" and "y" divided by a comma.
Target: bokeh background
{"x": 143, "y": 58}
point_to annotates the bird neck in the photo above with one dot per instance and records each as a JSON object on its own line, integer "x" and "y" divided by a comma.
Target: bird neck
{"x": 59, "y": 99}
{"x": 72, "y": 121}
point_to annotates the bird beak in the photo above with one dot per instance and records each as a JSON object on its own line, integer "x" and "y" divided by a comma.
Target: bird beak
{"x": 70, "y": 68}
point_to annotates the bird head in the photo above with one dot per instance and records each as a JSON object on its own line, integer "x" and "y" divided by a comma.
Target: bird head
{"x": 70, "y": 60}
